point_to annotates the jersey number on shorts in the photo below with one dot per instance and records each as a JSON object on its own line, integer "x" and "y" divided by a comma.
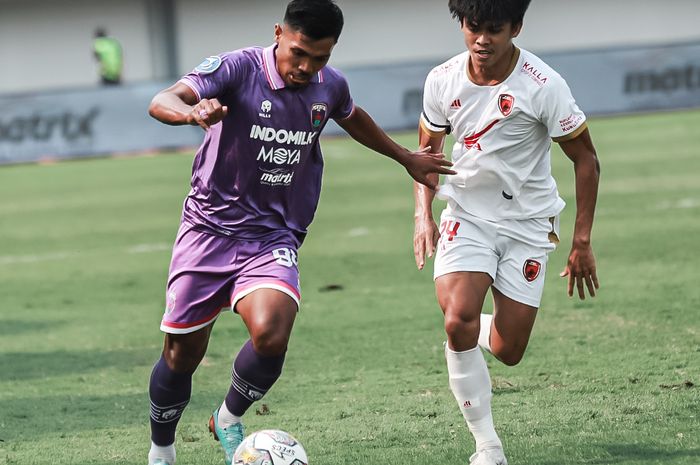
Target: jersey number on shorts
{"x": 450, "y": 228}
{"x": 285, "y": 257}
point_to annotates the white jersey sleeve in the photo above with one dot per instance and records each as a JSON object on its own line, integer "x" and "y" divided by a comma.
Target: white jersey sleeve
{"x": 558, "y": 111}
{"x": 433, "y": 119}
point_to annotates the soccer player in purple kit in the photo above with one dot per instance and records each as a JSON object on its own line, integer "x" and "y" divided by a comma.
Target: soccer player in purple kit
{"x": 256, "y": 182}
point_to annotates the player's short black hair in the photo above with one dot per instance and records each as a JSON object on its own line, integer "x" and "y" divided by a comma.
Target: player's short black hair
{"x": 489, "y": 11}
{"x": 317, "y": 19}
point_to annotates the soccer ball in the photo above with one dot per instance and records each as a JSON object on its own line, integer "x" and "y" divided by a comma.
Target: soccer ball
{"x": 270, "y": 447}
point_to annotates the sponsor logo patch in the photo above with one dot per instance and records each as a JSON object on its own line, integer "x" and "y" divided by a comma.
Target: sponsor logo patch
{"x": 209, "y": 65}
{"x": 570, "y": 122}
{"x": 456, "y": 104}
{"x": 281, "y": 136}
{"x": 531, "y": 269}
{"x": 318, "y": 114}
{"x": 277, "y": 177}
{"x": 280, "y": 156}
{"x": 265, "y": 107}
{"x": 534, "y": 73}
{"x": 505, "y": 104}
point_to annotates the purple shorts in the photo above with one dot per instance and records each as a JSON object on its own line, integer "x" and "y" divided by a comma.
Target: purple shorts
{"x": 209, "y": 273}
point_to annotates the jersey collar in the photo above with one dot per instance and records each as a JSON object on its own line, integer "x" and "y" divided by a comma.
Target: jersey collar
{"x": 273, "y": 76}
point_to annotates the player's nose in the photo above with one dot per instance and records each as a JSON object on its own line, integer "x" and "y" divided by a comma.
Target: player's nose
{"x": 305, "y": 66}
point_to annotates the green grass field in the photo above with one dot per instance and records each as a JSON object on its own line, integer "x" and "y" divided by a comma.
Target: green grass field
{"x": 614, "y": 380}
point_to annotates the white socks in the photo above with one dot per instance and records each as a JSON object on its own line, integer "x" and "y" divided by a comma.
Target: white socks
{"x": 226, "y": 418}
{"x": 166, "y": 453}
{"x": 485, "y": 331}
{"x": 471, "y": 386}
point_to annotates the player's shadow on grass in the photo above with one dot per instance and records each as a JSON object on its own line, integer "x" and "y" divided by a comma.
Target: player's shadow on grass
{"x": 623, "y": 453}
{"x": 19, "y": 366}
{"x": 639, "y": 454}
{"x": 24, "y": 418}
{"x": 15, "y": 327}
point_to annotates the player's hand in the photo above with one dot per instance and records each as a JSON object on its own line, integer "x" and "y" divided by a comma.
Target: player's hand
{"x": 422, "y": 163}
{"x": 207, "y": 113}
{"x": 580, "y": 269}
{"x": 425, "y": 238}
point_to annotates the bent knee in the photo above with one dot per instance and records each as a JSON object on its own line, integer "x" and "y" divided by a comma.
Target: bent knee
{"x": 456, "y": 326}
{"x": 510, "y": 357}
{"x": 270, "y": 342}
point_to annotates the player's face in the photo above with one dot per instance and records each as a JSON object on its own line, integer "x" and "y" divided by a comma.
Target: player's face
{"x": 489, "y": 43}
{"x": 299, "y": 57}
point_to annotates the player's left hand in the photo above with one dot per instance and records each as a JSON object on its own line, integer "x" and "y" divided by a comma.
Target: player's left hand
{"x": 581, "y": 268}
{"x": 422, "y": 163}
{"x": 425, "y": 238}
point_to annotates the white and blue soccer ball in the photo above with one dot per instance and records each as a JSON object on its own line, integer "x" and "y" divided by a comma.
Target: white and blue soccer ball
{"x": 270, "y": 447}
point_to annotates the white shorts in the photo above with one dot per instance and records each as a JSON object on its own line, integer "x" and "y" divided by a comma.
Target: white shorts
{"x": 512, "y": 252}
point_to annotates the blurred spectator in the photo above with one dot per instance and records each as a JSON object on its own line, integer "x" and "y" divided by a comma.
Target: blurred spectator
{"x": 108, "y": 52}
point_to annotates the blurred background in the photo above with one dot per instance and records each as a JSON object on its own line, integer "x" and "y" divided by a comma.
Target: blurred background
{"x": 618, "y": 57}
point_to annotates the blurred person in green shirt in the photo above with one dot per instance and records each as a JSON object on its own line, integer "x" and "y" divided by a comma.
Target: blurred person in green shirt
{"x": 108, "y": 52}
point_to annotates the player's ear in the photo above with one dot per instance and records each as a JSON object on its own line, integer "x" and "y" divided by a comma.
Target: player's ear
{"x": 516, "y": 30}
{"x": 278, "y": 32}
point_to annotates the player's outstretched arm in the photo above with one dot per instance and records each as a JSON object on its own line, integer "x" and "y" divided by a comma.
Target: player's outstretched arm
{"x": 178, "y": 105}
{"x": 581, "y": 267}
{"x": 426, "y": 232}
{"x": 419, "y": 164}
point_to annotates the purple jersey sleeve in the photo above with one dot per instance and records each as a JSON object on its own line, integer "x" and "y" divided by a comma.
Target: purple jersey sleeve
{"x": 344, "y": 102}
{"x": 217, "y": 75}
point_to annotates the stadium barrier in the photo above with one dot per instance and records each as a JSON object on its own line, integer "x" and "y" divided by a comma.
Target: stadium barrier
{"x": 88, "y": 122}
{"x": 102, "y": 121}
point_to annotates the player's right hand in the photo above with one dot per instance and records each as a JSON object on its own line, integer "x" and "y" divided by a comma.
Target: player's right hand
{"x": 424, "y": 163}
{"x": 425, "y": 239}
{"x": 207, "y": 113}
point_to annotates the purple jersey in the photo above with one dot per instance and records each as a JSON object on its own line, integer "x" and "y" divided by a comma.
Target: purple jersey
{"x": 259, "y": 171}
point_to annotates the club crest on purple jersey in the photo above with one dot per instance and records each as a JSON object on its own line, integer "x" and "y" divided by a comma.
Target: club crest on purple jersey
{"x": 318, "y": 114}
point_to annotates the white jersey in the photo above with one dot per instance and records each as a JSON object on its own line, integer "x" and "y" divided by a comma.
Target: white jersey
{"x": 502, "y": 132}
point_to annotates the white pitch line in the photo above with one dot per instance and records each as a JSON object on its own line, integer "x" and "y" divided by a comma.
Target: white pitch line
{"x": 148, "y": 248}
{"x": 57, "y": 256}
{"x": 16, "y": 259}
{"x": 679, "y": 204}
{"x": 357, "y": 232}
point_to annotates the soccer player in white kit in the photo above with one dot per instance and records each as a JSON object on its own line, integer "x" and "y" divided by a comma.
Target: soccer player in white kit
{"x": 504, "y": 106}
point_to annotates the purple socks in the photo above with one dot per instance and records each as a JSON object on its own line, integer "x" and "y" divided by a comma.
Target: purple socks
{"x": 169, "y": 393}
{"x": 253, "y": 375}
